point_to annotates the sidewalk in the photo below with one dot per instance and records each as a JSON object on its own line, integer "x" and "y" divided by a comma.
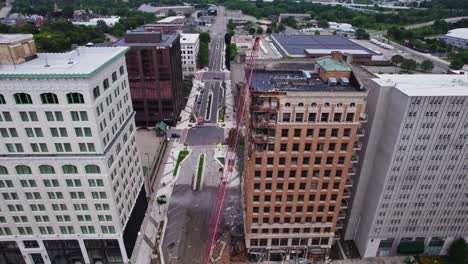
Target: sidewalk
{"x": 147, "y": 241}
{"x": 187, "y": 111}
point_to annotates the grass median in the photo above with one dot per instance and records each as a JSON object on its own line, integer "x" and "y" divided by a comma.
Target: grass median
{"x": 182, "y": 155}
{"x": 201, "y": 161}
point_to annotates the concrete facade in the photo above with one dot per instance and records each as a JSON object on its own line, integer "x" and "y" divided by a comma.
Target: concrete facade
{"x": 70, "y": 173}
{"x": 189, "y": 45}
{"x": 412, "y": 184}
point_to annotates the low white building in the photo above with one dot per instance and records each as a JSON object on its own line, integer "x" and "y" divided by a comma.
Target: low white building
{"x": 172, "y": 19}
{"x": 70, "y": 173}
{"x": 341, "y": 27}
{"x": 189, "y": 46}
{"x": 457, "y": 37}
{"x": 110, "y": 21}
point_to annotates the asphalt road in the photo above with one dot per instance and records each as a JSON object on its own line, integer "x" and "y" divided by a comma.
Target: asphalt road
{"x": 190, "y": 211}
{"x": 214, "y": 76}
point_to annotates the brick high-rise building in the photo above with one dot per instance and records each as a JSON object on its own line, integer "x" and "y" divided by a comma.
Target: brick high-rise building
{"x": 155, "y": 74}
{"x": 301, "y": 139}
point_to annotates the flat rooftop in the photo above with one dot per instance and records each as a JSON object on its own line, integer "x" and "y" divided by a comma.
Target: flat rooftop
{"x": 166, "y": 40}
{"x": 295, "y": 81}
{"x": 83, "y": 62}
{"x": 297, "y": 45}
{"x": 10, "y": 38}
{"x": 171, "y": 19}
{"x": 189, "y": 38}
{"x": 426, "y": 84}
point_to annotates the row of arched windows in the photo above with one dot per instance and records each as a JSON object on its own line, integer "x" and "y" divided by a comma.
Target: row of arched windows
{"x": 48, "y": 169}
{"x": 46, "y": 98}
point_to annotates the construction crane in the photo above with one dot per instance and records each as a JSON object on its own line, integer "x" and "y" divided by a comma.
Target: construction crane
{"x": 230, "y": 156}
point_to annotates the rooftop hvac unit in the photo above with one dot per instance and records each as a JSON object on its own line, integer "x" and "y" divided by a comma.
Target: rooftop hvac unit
{"x": 332, "y": 82}
{"x": 344, "y": 81}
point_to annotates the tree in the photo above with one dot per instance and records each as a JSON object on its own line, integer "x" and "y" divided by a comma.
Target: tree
{"x": 408, "y": 65}
{"x": 281, "y": 27}
{"x": 232, "y": 51}
{"x": 458, "y": 252}
{"x": 360, "y": 21}
{"x": 323, "y": 23}
{"x": 251, "y": 31}
{"x": 171, "y": 13}
{"x": 203, "y": 54}
{"x": 259, "y": 30}
{"x": 427, "y": 66}
{"x": 397, "y": 59}
{"x": 231, "y": 25}
{"x": 457, "y": 63}
{"x": 269, "y": 30}
{"x": 317, "y": 33}
{"x": 205, "y": 37}
{"x": 67, "y": 12}
{"x": 361, "y": 34}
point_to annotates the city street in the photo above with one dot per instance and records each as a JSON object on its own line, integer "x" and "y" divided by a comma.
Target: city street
{"x": 189, "y": 210}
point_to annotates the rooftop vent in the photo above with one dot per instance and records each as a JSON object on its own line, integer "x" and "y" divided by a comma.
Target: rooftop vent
{"x": 344, "y": 81}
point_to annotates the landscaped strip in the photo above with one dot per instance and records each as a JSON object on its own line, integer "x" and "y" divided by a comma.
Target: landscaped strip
{"x": 221, "y": 160}
{"x": 221, "y": 113}
{"x": 208, "y": 107}
{"x": 201, "y": 160}
{"x": 182, "y": 155}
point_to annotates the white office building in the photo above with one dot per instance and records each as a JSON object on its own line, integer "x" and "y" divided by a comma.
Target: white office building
{"x": 412, "y": 192}
{"x": 189, "y": 46}
{"x": 69, "y": 169}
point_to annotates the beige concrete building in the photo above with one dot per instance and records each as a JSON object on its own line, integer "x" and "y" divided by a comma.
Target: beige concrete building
{"x": 16, "y": 48}
{"x": 301, "y": 142}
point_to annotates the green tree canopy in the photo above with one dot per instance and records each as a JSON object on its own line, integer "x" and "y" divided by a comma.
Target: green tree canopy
{"x": 408, "y": 65}
{"x": 458, "y": 252}
{"x": 427, "y": 65}
{"x": 205, "y": 37}
{"x": 361, "y": 34}
{"x": 397, "y": 59}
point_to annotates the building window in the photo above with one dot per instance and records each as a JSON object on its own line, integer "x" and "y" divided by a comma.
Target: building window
{"x": 46, "y": 169}
{"x": 49, "y": 98}
{"x": 70, "y": 169}
{"x": 96, "y": 92}
{"x": 312, "y": 117}
{"x": 92, "y": 169}
{"x": 3, "y": 170}
{"x": 114, "y": 76}
{"x": 22, "y": 98}
{"x": 2, "y": 99}
{"x": 299, "y": 117}
{"x": 23, "y": 169}
{"x": 75, "y": 98}
{"x": 324, "y": 117}
{"x": 350, "y": 117}
{"x": 105, "y": 83}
